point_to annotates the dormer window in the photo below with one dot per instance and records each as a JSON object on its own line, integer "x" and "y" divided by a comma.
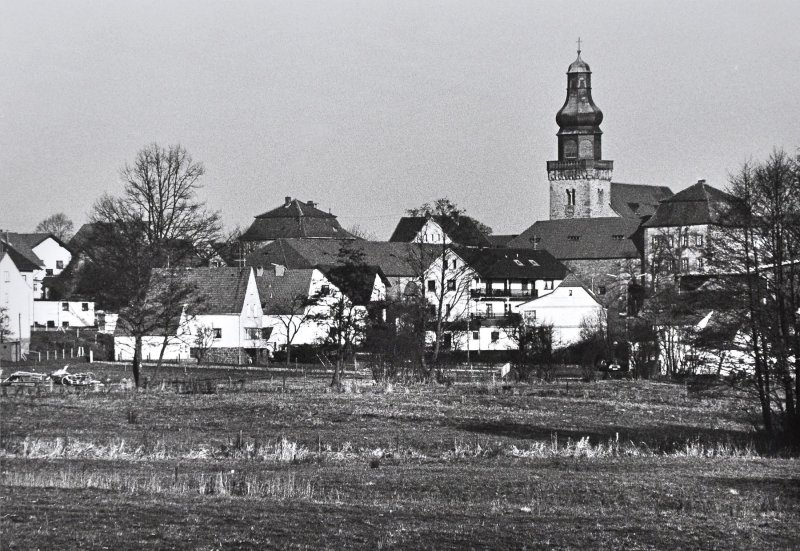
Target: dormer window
{"x": 573, "y": 237}
{"x": 618, "y": 237}
{"x": 518, "y": 262}
{"x": 533, "y": 263}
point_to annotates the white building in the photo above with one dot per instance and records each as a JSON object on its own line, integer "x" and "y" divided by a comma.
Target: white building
{"x": 45, "y": 250}
{"x": 565, "y": 308}
{"x": 52, "y": 314}
{"x": 222, "y": 325}
{"x": 16, "y": 302}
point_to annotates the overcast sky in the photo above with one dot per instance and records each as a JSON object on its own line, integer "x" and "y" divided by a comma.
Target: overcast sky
{"x": 372, "y": 107}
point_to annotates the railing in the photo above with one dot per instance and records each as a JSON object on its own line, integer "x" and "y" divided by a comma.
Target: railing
{"x": 579, "y": 168}
{"x": 522, "y": 293}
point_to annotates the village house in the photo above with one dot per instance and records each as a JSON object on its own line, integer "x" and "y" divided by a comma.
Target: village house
{"x": 46, "y": 251}
{"x": 439, "y": 230}
{"x": 294, "y": 219}
{"x": 568, "y": 308}
{"x": 16, "y": 303}
{"x": 224, "y": 325}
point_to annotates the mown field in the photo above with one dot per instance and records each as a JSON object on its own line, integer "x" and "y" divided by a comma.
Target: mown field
{"x": 290, "y": 464}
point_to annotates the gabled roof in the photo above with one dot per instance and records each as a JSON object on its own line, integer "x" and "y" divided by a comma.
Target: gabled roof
{"x": 636, "y": 200}
{"x": 295, "y": 219}
{"x": 22, "y": 262}
{"x": 697, "y": 204}
{"x": 512, "y": 263}
{"x": 463, "y": 231}
{"x": 219, "y": 290}
{"x": 583, "y": 238}
{"x": 278, "y": 292}
{"x": 356, "y": 282}
{"x": 24, "y": 243}
{"x": 394, "y": 259}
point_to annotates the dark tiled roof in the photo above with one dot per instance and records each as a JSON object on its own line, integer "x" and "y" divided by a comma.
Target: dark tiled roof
{"x": 394, "y": 259}
{"x": 407, "y": 228}
{"x": 500, "y": 241}
{"x": 463, "y": 231}
{"x": 572, "y": 281}
{"x": 295, "y": 219}
{"x": 278, "y": 292}
{"x": 635, "y": 200}
{"x": 356, "y": 282}
{"x": 697, "y": 204}
{"x": 21, "y": 262}
{"x": 583, "y": 238}
{"x": 24, "y": 243}
{"x": 512, "y": 263}
{"x": 84, "y": 235}
{"x": 219, "y": 290}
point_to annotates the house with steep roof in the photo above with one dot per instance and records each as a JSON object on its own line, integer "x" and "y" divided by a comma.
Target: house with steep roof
{"x": 440, "y": 230}
{"x": 221, "y": 322}
{"x": 679, "y": 237}
{"x": 566, "y": 309}
{"x": 16, "y": 303}
{"x": 294, "y": 219}
{"x": 46, "y": 251}
{"x": 297, "y": 302}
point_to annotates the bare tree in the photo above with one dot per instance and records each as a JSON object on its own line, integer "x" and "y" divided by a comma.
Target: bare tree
{"x": 296, "y": 312}
{"x": 203, "y": 341}
{"x": 758, "y": 264}
{"x": 157, "y": 222}
{"x": 58, "y": 224}
{"x": 5, "y": 324}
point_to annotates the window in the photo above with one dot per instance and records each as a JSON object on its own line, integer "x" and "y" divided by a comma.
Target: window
{"x": 548, "y": 284}
{"x": 475, "y": 335}
{"x": 451, "y": 284}
{"x": 59, "y": 264}
{"x": 618, "y": 237}
{"x": 266, "y": 332}
{"x": 685, "y": 264}
{"x": 253, "y": 333}
{"x": 533, "y": 262}
{"x": 489, "y": 310}
{"x": 600, "y": 196}
{"x": 570, "y": 292}
{"x": 601, "y": 289}
{"x": 698, "y": 240}
{"x": 453, "y": 264}
{"x": 51, "y": 323}
{"x": 432, "y": 285}
{"x": 570, "y": 150}
{"x": 571, "y": 197}
{"x": 573, "y": 237}
{"x": 217, "y": 332}
{"x": 48, "y": 271}
{"x": 518, "y": 262}
{"x": 448, "y": 309}
{"x": 65, "y": 324}
{"x": 699, "y": 263}
{"x": 84, "y": 306}
{"x": 685, "y": 241}
{"x": 325, "y": 290}
{"x": 495, "y": 336}
{"x": 65, "y": 306}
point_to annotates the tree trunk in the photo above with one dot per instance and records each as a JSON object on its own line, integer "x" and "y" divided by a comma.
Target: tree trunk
{"x": 137, "y": 359}
{"x": 288, "y": 353}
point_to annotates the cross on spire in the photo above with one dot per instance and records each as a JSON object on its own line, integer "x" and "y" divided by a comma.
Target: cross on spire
{"x": 579, "y": 45}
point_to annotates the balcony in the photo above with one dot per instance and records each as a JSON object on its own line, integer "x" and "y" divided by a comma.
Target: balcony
{"x": 577, "y": 169}
{"x": 502, "y": 293}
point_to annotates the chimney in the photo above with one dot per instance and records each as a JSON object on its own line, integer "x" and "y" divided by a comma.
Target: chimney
{"x": 287, "y": 200}
{"x": 260, "y": 271}
{"x": 280, "y": 270}
{"x": 311, "y": 204}
{"x": 701, "y": 181}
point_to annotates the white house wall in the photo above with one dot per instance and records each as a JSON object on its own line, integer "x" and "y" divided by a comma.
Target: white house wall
{"x": 51, "y": 253}
{"x": 45, "y": 311}
{"x": 565, "y": 309}
{"x": 16, "y": 295}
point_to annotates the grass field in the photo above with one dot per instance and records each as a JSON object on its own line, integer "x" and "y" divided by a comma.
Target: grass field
{"x": 288, "y": 463}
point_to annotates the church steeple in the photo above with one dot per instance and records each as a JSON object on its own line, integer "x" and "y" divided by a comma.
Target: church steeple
{"x": 579, "y": 118}
{"x": 580, "y": 181}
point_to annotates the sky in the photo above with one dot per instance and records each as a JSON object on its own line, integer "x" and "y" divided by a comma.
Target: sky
{"x": 373, "y": 107}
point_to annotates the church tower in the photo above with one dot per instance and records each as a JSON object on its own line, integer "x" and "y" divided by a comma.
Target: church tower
{"x": 580, "y": 181}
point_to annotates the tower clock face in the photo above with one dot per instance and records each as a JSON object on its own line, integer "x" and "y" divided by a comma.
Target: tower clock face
{"x": 586, "y": 149}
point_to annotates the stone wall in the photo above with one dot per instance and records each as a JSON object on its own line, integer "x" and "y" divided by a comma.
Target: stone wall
{"x": 594, "y": 274}
{"x": 587, "y": 199}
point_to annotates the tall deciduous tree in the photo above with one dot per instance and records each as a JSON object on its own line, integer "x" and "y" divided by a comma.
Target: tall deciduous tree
{"x": 58, "y": 224}
{"x": 157, "y": 222}
{"x": 759, "y": 263}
